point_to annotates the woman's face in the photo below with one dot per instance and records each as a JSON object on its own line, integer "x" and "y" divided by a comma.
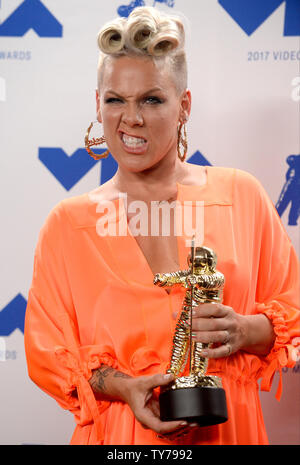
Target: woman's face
{"x": 140, "y": 108}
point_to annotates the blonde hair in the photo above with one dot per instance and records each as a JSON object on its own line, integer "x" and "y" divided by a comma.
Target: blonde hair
{"x": 146, "y": 33}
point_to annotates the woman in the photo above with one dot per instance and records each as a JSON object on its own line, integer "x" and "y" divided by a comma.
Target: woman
{"x": 98, "y": 332}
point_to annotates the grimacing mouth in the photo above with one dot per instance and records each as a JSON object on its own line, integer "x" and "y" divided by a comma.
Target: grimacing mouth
{"x": 121, "y": 133}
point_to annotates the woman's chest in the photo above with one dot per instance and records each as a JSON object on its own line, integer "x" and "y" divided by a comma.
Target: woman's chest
{"x": 154, "y": 230}
{"x": 160, "y": 253}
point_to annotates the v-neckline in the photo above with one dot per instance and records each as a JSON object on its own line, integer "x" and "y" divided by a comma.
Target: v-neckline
{"x": 140, "y": 251}
{"x": 138, "y": 270}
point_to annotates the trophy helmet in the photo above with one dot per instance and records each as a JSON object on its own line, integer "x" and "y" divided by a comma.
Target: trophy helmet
{"x": 204, "y": 258}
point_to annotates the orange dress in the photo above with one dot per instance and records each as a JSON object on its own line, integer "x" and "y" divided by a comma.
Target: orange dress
{"x": 92, "y": 301}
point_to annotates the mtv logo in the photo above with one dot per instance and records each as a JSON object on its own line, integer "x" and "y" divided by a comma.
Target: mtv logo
{"x": 31, "y": 14}
{"x": 12, "y": 316}
{"x": 198, "y": 159}
{"x": 289, "y": 195}
{"x": 69, "y": 169}
{"x": 250, "y": 14}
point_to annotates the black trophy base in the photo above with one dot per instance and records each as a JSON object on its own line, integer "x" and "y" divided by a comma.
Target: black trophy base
{"x": 203, "y": 405}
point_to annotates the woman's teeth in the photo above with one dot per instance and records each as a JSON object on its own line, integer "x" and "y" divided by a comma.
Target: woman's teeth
{"x": 132, "y": 141}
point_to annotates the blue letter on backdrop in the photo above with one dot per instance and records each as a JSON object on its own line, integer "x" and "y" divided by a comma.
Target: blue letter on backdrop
{"x": 250, "y": 14}
{"x": 31, "y": 14}
{"x": 12, "y": 316}
{"x": 68, "y": 170}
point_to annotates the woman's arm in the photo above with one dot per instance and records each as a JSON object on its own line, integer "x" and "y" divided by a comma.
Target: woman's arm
{"x": 113, "y": 385}
{"x": 109, "y": 384}
{"x": 259, "y": 334}
{"x": 231, "y": 331}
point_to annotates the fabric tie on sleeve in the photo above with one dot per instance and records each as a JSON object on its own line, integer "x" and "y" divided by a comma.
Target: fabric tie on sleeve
{"x": 81, "y": 360}
{"x": 279, "y": 355}
{"x": 79, "y": 380}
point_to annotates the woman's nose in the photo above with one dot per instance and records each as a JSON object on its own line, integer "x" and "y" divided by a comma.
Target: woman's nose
{"x": 132, "y": 116}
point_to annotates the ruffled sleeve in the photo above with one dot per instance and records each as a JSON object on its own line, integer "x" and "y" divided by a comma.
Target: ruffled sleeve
{"x": 56, "y": 361}
{"x": 277, "y": 293}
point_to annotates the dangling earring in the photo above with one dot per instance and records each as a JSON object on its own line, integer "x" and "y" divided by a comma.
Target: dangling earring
{"x": 182, "y": 143}
{"x": 90, "y": 142}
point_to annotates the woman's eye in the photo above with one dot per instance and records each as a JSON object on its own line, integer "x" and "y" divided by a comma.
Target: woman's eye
{"x": 113, "y": 100}
{"x": 153, "y": 100}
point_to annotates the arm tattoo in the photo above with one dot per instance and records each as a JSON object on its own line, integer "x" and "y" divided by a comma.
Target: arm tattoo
{"x": 98, "y": 383}
{"x": 98, "y": 379}
{"x": 119, "y": 374}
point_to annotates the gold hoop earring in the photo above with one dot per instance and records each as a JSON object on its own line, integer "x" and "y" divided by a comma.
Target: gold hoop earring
{"x": 91, "y": 142}
{"x": 182, "y": 143}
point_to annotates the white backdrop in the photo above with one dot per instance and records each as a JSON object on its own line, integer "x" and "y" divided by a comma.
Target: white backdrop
{"x": 244, "y": 61}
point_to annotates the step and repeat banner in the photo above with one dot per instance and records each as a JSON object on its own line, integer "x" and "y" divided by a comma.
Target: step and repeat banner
{"x": 244, "y": 58}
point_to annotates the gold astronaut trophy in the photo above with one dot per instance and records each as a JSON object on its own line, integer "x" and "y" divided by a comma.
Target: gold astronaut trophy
{"x": 193, "y": 395}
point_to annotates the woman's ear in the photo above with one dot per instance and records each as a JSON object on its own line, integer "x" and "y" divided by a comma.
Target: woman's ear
{"x": 99, "y": 117}
{"x": 186, "y": 103}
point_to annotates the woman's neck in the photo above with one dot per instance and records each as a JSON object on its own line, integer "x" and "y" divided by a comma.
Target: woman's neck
{"x": 157, "y": 183}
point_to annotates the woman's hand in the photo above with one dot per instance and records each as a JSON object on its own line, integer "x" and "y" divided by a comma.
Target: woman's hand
{"x": 229, "y": 331}
{"x": 220, "y": 325}
{"x": 143, "y": 401}
{"x": 110, "y": 384}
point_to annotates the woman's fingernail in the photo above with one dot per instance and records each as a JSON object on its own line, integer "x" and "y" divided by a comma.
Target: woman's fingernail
{"x": 192, "y": 425}
{"x": 204, "y": 353}
{"x": 168, "y": 376}
{"x": 184, "y": 423}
